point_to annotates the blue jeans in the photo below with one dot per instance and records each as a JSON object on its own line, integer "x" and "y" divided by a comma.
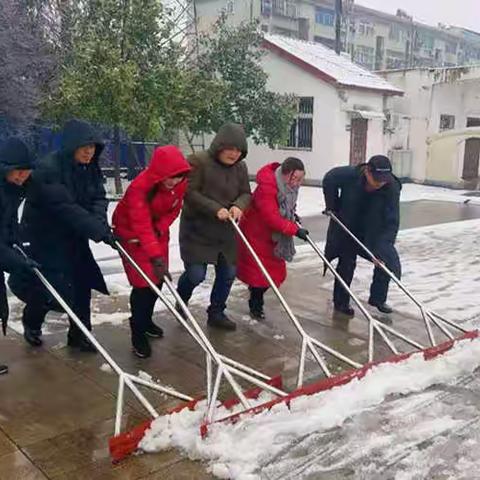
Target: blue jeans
{"x": 194, "y": 275}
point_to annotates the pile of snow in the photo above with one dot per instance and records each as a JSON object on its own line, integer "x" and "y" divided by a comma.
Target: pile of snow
{"x": 240, "y": 451}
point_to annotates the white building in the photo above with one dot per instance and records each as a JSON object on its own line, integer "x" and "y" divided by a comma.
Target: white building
{"x": 434, "y": 129}
{"x": 341, "y": 107}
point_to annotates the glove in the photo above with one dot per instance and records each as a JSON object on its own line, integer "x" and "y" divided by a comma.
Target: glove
{"x": 110, "y": 239}
{"x": 160, "y": 269}
{"x": 297, "y": 218}
{"x": 302, "y": 233}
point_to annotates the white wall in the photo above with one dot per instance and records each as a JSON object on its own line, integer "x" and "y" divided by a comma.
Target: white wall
{"x": 430, "y": 93}
{"x": 331, "y": 134}
{"x": 284, "y": 77}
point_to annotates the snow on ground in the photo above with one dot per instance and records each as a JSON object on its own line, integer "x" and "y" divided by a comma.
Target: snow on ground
{"x": 240, "y": 451}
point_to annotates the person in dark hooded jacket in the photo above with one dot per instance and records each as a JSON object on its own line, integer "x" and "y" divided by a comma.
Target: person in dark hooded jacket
{"x": 366, "y": 199}
{"x": 66, "y": 208}
{"x": 16, "y": 164}
{"x": 218, "y": 189}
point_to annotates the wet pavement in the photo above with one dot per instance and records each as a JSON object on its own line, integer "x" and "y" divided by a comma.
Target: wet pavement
{"x": 419, "y": 213}
{"x": 57, "y": 406}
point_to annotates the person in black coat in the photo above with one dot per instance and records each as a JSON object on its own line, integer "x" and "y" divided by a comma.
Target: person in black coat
{"x": 66, "y": 208}
{"x": 16, "y": 164}
{"x": 366, "y": 199}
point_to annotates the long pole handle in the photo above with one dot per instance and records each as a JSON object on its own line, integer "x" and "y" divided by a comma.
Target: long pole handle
{"x": 381, "y": 265}
{"x": 91, "y": 338}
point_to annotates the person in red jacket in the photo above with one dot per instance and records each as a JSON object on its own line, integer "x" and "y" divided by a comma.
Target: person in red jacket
{"x": 142, "y": 222}
{"x": 270, "y": 225}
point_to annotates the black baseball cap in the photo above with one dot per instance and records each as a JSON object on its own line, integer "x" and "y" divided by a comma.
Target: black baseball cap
{"x": 381, "y": 168}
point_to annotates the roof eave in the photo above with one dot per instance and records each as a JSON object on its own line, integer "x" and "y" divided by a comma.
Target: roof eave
{"x": 322, "y": 75}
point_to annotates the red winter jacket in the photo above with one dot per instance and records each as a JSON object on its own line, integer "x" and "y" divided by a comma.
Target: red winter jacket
{"x": 143, "y": 217}
{"x": 259, "y": 222}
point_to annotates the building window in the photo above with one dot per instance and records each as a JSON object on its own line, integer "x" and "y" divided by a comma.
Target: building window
{"x": 365, "y": 56}
{"x": 366, "y": 29}
{"x": 397, "y": 33}
{"x": 451, "y": 48}
{"x": 284, "y": 8}
{"x": 301, "y": 131}
{"x": 266, "y": 8}
{"x": 395, "y": 59}
{"x": 324, "y": 16}
{"x": 447, "y": 122}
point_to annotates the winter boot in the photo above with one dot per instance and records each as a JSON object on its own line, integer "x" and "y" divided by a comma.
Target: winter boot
{"x": 78, "y": 340}
{"x": 221, "y": 321}
{"x": 256, "y": 310}
{"x": 3, "y": 369}
{"x": 381, "y": 307}
{"x": 32, "y": 336}
{"x": 140, "y": 344}
{"x": 154, "y": 331}
{"x": 345, "y": 310}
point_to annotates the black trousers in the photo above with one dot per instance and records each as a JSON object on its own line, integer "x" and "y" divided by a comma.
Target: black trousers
{"x": 36, "y": 310}
{"x": 256, "y": 297}
{"x": 379, "y": 287}
{"x": 142, "y": 303}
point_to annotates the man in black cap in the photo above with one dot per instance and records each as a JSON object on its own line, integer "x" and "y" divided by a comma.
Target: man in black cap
{"x": 366, "y": 198}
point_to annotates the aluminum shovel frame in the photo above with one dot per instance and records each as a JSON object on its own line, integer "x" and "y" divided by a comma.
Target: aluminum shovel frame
{"x": 374, "y": 325}
{"x": 427, "y": 315}
{"x": 124, "y": 379}
{"x": 226, "y": 368}
{"x": 308, "y": 342}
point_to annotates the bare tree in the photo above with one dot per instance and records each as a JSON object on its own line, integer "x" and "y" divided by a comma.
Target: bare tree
{"x": 27, "y": 63}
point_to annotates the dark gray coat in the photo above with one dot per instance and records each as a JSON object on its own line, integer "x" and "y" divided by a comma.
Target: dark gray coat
{"x": 212, "y": 186}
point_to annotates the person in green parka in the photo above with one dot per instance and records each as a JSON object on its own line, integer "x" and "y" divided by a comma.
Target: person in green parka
{"x": 218, "y": 189}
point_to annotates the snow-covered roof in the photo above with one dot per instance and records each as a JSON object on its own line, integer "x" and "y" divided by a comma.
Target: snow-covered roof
{"x": 326, "y": 64}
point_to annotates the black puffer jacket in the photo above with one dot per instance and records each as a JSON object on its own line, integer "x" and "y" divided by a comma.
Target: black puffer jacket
{"x": 14, "y": 154}
{"x": 65, "y": 208}
{"x": 374, "y": 217}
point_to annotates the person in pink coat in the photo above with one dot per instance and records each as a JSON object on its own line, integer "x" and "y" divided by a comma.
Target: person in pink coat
{"x": 269, "y": 224}
{"x": 142, "y": 222}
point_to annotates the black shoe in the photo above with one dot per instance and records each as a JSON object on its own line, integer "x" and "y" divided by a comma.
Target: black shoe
{"x": 257, "y": 314}
{"x": 82, "y": 343}
{"x": 346, "y": 310}
{"x": 154, "y": 331}
{"x": 32, "y": 337}
{"x": 141, "y": 346}
{"x": 3, "y": 369}
{"x": 221, "y": 321}
{"x": 382, "y": 307}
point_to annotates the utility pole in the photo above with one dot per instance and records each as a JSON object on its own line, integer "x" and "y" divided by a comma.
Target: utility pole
{"x": 338, "y": 26}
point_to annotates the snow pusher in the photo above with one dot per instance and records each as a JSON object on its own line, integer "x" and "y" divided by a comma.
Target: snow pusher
{"x": 374, "y": 326}
{"x": 125, "y": 379}
{"x": 126, "y": 443}
{"x": 227, "y": 369}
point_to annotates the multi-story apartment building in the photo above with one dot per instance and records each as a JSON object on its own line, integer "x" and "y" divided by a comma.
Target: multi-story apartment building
{"x": 374, "y": 39}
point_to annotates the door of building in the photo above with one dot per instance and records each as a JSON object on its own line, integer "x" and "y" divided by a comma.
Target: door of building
{"x": 358, "y": 140}
{"x": 471, "y": 159}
